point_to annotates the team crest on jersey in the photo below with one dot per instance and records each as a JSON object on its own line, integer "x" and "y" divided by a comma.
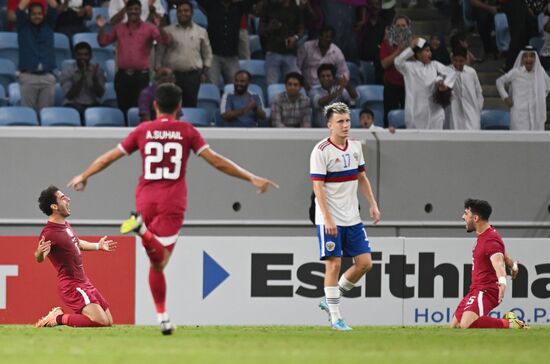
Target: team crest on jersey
{"x": 356, "y": 156}
{"x": 330, "y": 245}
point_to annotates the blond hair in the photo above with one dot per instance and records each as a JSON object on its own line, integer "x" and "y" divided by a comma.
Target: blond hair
{"x": 335, "y": 108}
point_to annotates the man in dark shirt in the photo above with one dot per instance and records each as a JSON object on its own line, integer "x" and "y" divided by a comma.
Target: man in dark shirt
{"x": 224, "y": 20}
{"x": 281, "y": 25}
{"x": 36, "y": 53}
{"x": 83, "y": 83}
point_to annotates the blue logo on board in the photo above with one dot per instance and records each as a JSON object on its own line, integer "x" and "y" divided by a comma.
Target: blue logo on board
{"x": 213, "y": 274}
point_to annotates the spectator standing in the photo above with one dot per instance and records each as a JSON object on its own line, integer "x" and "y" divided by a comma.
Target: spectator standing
{"x": 439, "y": 49}
{"x": 134, "y": 43}
{"x": 467, "y": 100}
{"x": 526, "y": 97}
{"x": 422, "y": 76}
{"x": 11, "y": 10}
{"x": 71, "y": 15}
{"x": 224, "y": 24}
{"x": 147, "y": 95}
{"x": 35, "y": 32}
{"x": 242, "y": 108}
{"x": 483, "y": 12}
{"x": 545, "y": 50}
{"x": 83, "y": 83}
{"x": 291, "y": 108}
{"x": 313, "y": 17}
{"x": 318, "y": 51}
{"x": 372, "y": 35}
{"x": 330, "y": 90}
{"x": 149, "y": 9}
{"x": 281, "y": 25}
{"x": 189, "y": 55}
{"x": 522, "y": 24}
{"x": 397, "y": 39}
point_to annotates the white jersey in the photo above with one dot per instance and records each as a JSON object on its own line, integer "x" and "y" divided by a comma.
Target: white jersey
{"x": 339, "y": 169}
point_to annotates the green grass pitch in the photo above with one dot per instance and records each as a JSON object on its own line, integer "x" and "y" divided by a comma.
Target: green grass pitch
{"x": 272, "y": 344}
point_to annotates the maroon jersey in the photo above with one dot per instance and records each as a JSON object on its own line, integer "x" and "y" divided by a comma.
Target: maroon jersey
{"x": 164, "y": 145}
{"x": 483, "y": 273}
{"x": 65, "y": 253}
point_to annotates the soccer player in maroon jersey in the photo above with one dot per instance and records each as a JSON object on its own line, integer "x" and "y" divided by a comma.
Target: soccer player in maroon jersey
{"x": 161, "y": 194}
{"x": 488, "y": 274}
{"x": 60, "y": 244}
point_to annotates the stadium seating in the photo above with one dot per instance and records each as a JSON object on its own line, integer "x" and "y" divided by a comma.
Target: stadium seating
{"x": 14, "y": 94}
{"x": 371, "y": 96}
{"x": 132, "y": 115}
{"x": 195, "y": 116}
{"x": 62, "y": 49}
{"x": 7, "y": 72}
{"x": 275, "y": 89}
{"x": 109, "y": 97}
{"x": 502, "y": 32}
{"x": 396, "y": 119}
{"x": 537, "y": 43}
{"x": 495, "y": 120}
{"x": 256, "y": 67}
{"x": 110, "y": 70}
{"x": 99, "y": 54}
{"x": 103, "y": 116}
{"x": 18, "y": 115}
{"x": 9, "y": 48}
{"x": 59, "y": 116}
{"x": 59, "y": 95}
{"x": 368, "y": 72}
{"x": 354, "y": 74}
{"x": 209, "y": 99}
{"x": 252, "y": 88}
{"x": 3, "y": 98}
{"x": 255, "y": 46}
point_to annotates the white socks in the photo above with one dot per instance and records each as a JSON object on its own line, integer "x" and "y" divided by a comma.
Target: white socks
{"x": 344, "y": 285}
{"x": 333, "y": 300}
{"x": 163, "y": 317}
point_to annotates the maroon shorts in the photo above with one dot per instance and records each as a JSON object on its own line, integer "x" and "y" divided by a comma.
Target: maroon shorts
{"x": 162, "y": 220}
{"x": 77, "y": 295}
{"x": 480, "y": 301}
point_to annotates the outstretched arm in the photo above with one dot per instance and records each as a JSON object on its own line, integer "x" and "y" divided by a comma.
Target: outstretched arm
{"x": 102, "y": 244}
{"x": 229, "y": 167}
{"x": 79, "y": 181}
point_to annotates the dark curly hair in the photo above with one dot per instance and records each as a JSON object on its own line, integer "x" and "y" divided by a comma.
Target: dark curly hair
{"x": 48, "y": 198}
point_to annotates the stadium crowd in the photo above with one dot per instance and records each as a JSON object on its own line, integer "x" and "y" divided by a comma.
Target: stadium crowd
{"x": 270, "y": 63}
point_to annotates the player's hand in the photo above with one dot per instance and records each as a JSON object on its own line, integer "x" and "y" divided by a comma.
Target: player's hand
{"x": 78, "y": 183}
{"x": 514, "y": 270}
{"x": 330, "y": 227}
{"x": 43, "y": 249}
{"x": 262, "y": 184}
{"x": 107, "y": 245}
{"x": 501, "y": 289}
{"x": 509, "y": 102}
{"x": 374, "y": 214}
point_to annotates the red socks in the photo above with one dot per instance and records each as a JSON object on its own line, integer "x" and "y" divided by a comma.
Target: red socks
{"x": 153, "y": 247}
{"x": 157, "y": 283}
{"x": 486, "y": 322}
{"x": 77, "y": 320}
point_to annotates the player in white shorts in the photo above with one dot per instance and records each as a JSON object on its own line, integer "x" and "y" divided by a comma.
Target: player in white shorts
{"x": 337, "y": 167}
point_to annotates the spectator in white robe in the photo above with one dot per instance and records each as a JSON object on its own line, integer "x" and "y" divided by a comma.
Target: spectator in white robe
{"x": 528, "y": 84}
{"x": 422, "y": 76}
{"x": 467, "y": 99}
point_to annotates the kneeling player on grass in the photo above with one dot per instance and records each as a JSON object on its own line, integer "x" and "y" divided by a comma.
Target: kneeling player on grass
{"x": 488, "y": 274}
{"x": 337, "y": 168}
{"x": 60, "y": 244}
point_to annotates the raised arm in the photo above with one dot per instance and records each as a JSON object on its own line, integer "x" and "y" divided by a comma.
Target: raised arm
{"x": 229, "y": 167}
{"x": 78, "y": 183}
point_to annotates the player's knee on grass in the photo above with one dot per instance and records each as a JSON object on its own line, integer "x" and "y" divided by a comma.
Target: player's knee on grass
{"x": 96, "y": 313}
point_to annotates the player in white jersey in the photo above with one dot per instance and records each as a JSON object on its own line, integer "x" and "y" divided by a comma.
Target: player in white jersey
{"x": 337, "y": 167}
